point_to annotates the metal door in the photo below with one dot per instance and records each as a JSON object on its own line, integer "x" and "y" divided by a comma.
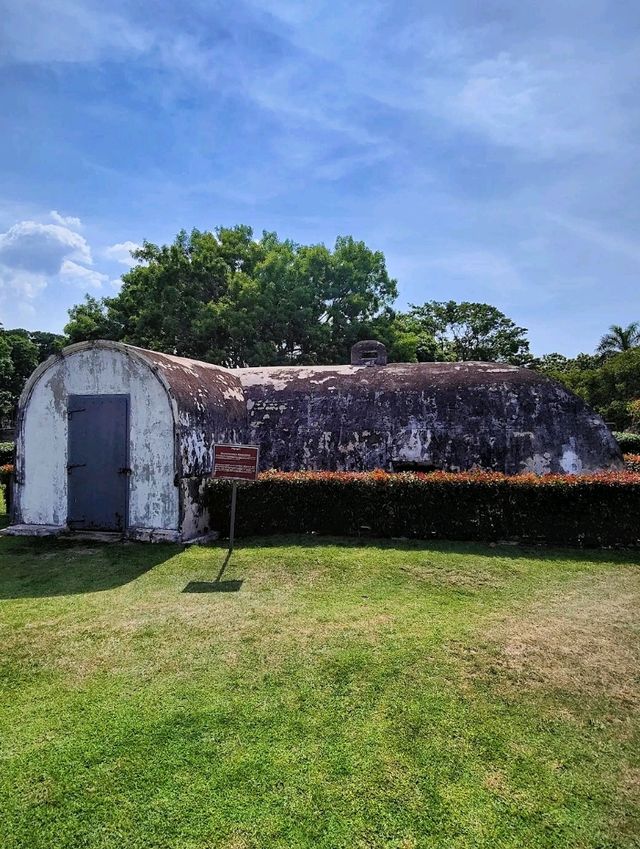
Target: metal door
{"x": 98, "y": 462}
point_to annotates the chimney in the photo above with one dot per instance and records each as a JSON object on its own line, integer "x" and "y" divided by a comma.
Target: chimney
{"x": 369, "y": 352}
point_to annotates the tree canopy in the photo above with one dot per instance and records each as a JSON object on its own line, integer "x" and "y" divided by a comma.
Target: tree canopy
{"x": 20, "y": 352}
{"x": 225, "y": 297}
{"x": 619, "y": 339}
{"x": 469, "y": 331}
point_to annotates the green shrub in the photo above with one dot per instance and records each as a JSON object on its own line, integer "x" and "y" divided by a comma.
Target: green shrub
{"x": 629, "y": 442}
{"x": 596, "y": 510}
{"x": 6, "y": 472}
{"x": 6, "y": 452}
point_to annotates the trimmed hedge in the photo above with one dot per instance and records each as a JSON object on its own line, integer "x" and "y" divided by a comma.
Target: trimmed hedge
{"x": 595, "y": 510}
{"x": 6, "y": 471}
{"x": 629, "y": 442}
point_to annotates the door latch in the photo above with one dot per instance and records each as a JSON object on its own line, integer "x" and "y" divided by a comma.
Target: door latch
{"x": 125, "y": 470}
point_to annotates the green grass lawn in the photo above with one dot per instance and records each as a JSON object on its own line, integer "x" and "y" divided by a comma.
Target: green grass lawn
{"x": 349, "y": 694}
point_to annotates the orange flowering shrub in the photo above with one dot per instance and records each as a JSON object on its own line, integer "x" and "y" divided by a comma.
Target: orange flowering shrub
{"x": 594, "y": 509}
{"x": 473, "y": 477}
{"x": 632, "y": 462}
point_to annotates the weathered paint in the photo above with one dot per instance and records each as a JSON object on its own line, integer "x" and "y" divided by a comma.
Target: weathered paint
{"x": 42, "y": 443}
{"x": 179, "y": 409}
{"x": 210, "y": 407}
{"x": 452, "y": 416}
{"x": 195, "y": 515}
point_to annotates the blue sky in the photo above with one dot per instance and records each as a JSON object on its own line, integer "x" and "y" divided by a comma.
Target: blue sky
{"x": 491, "y": 150}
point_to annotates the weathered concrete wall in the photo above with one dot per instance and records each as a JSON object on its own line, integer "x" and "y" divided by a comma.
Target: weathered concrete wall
{"x": 195, "y": 520}
{"x": 179, "y": 408}
{"x": 429, "y": 415}
{"x": 42, "y": 451}
{"x": 210, "y": 407}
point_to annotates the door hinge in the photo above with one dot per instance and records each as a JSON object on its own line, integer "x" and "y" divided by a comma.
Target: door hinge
{"x": 75, "y": 466}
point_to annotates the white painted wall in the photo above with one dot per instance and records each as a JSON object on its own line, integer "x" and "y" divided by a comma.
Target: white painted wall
{"x": 153, "y": 497}
{"x": 195, "y": 516}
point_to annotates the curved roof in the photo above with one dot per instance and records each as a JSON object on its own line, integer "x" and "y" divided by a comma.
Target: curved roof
{"x": 393, "y": 377}
{"x": 192, "y": 384}
{"x": 433, "y": 415}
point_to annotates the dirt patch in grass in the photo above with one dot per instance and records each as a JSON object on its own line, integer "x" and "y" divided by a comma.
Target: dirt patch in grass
{"x": 630, "y": 784}
{"x": 584, "y": 638}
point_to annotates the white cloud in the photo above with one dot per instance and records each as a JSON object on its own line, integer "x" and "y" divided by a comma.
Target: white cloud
{"x": 532, "y": 104}
{"x": 41, "y": 248}
{"x": 32, "y": 253}
{"x": 73, "y": 273}
{"x": 22, "y": 283}
{"x": 66, "y": 220}
{"x": 67, "y": 31}
{"x": 121, "y": 252}
{"x": 593, "y": 234}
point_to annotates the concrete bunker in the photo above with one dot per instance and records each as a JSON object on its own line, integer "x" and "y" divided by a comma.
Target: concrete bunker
{"x": 423, "y": 417}
{"x": 116, "y": 438}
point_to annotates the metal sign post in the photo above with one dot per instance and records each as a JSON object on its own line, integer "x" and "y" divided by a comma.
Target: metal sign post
{"x": 234, "y": 463}
{"x": 232, "y": 523}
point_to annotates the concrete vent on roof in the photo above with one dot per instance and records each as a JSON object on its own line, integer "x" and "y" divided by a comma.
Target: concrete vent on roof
{"x": 369, "y": 352}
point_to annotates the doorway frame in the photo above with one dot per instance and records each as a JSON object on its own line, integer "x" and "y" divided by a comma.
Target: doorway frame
{"x": 127, "y": 398}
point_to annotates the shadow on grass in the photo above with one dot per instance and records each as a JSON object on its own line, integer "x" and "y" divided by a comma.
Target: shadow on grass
{"x": 217, "y": 585}
{"x": 38, "y": 568}
{"x": 213, "y": 587}
{"x": 503, "y": 550}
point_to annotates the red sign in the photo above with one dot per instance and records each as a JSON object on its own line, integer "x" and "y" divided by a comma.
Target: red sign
{"x": 235, "y": 462}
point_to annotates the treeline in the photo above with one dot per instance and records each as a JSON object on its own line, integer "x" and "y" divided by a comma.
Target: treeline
{"x": 20, "y": 352}
{"x": 609, "y": 382}
{"x": 229, "y": 298}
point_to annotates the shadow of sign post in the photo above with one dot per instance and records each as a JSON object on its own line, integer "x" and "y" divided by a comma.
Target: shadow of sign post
{"x": 234, "y": 463}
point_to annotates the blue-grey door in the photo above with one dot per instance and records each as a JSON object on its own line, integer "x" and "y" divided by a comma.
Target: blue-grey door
{"x": 98, "y": 462}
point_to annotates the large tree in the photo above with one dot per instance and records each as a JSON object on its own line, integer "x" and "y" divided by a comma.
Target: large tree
{"x": 610, "y": 384}
{"x": 469, "y": 331}
{"x": 6, "y": 374}
{"x": 225, "y": 297}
